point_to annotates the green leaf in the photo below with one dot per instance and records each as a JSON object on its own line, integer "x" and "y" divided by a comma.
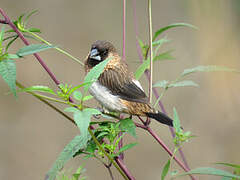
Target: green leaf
{"x": 34, "y": 30}
{"x": 164, "y": 56}
{"x": 78, "y": 142}
{"x": 93, "y": 75}
{"x": 8, "y": 73}
{"x": 229, "y": 164}
{"x": 77, "y": 95}
{"x": 182, "y": 84}
{"x": 165, "y": 170}
{"x": 77, "y": 87}
{"x": 210, "y": 68}
{"x": 12, "y": 56}
{"x": 29, "y": 15}
{"x": 162, "y": 84}
{"x": 160, "y": 42}
{"x": 145, "y": 65}
{"x": 87, "y": 98}
{"x": 209, "y": 171}
{"x": 10, "y": 42}
{"x": 82, "y": 118}
{"x": 176, "y": 121}
{"x": 128, "y": 126}
{"x": 160, "y": 31}
{"x": 126, "y": 147}
{"x": 1, "y": 37}
{"x": 38, "y": 88}
{"x": 33, "y": 48}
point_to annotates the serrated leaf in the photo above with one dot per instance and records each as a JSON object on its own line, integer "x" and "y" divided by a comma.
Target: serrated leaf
{"x": 128, "y": 126}
{"x": 210, "y": 68}
{"x": 126, "y": 147}
{"x": 176, "y": 121}
{"x": 209, "y": 171}
{"x": 8, "y": 73}
{"x": 165, "y": 170}
{"x": 87, "y": 98}
{"x": 82, "y": 118}
{"x": 77, "y": 95}
{"x": 33, "y": 48}
{"x": 38, "y": 88}
{"x": 94, "y": 73}
{"x": 146, "y": 64}
{"x": 162, "y": 84}
{"x": 78, "y": 142}
{"x": 183, "y": 83}
{"x": 161, "y": 30}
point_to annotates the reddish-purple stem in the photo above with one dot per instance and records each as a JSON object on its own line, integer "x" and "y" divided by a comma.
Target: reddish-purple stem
{"x": 124, "y": 168}
{"x": 25, "y": 41}
{"x": 154, "y": 89}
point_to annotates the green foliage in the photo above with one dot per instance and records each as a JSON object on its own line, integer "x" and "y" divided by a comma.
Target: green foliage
{"x": 165, "y": 169}
{"x": 77, "y": 95}
{"x": 8, "y": 73}
{"x": 38, "y": 88}
{"x": 82, "y": 118}
{"x": 94, "y": 73}
{"x": 209, "y": 171}
{"x": 180, "y": 136}
{"x": 126, "y": 147}
{"x": 166, "y": 84}
{"x": 161, "y": 30}
{"x": 78, "y": 142}
{"x": 145, "y": 65}
{"x": 127, "y": 125}
{"x": 236, "y": 170}
{"x": 210, "y": 68}
{"x": 33, "y": 48}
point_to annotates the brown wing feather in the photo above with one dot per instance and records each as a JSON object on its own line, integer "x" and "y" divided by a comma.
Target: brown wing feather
{"x": 119, "y": 82}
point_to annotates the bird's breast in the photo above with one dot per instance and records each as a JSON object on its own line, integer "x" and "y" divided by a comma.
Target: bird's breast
{"x": 104, "y": 96}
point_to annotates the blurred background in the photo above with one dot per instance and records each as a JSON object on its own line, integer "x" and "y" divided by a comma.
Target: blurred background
{"x": 32, "y": 135}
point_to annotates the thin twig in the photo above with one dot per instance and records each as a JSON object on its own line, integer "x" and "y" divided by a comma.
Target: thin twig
{"x": 120, "y": 144}
{"x": 150, "y": 44}
{"x": 148, "y": 76}
{"x": 47, "y": 103}
{"x": 124, "y": 168}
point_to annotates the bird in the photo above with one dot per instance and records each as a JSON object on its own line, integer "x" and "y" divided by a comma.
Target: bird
{"x": 116, "y": 89}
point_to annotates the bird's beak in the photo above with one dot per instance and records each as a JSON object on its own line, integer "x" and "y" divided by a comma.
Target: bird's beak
{"x": 94, "y": 54}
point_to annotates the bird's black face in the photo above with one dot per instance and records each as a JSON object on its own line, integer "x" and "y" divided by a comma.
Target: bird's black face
{"x": 99, "y": 52}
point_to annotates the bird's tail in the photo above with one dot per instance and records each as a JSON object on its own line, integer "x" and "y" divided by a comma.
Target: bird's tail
{"x": 160, "y": 117}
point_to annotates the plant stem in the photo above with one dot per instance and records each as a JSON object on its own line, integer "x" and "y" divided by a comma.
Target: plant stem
{"x": 124, "y": 168}
{"x": 10, "y": 23}
{"x": 47, "y": 103}
{"x": 124, "y": 31}
{"x": 58, "y": 49}
{"x": 107, "y": 155}
{"x": 55, "y": 100}
{"x": 150, "y": 44}
{"x": 148, "y": 76}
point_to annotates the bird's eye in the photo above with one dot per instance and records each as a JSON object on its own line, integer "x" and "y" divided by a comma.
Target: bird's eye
{"x": 105, "y": 52}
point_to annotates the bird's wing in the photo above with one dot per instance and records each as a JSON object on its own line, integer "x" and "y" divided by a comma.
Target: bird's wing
{"x": 120, "y": 83}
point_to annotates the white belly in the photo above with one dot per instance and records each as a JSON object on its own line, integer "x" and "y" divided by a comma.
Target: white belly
{"x": 105, "y": 98}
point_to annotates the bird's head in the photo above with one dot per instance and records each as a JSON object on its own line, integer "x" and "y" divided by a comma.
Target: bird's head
{"x": 100, "y": 51}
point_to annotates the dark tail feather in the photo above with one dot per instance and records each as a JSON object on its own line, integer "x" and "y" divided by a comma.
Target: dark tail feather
{"x": 162, "y": 118}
